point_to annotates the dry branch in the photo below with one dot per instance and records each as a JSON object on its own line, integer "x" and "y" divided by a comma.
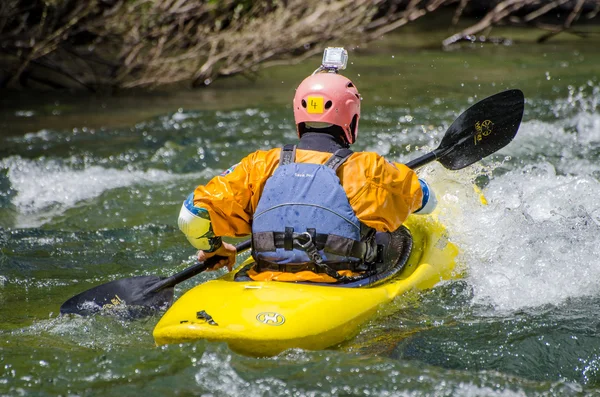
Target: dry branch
{"x": 147, "y": 43}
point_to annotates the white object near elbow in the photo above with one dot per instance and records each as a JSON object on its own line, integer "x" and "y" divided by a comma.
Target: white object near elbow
{"x": 194, "y": 227}
{"x": 429, "y": 199}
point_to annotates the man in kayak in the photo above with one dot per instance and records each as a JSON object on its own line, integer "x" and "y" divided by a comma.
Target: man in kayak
{"x": 312, "y": 208}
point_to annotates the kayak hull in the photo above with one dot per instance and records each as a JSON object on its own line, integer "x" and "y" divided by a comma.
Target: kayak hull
{"x": 264, "y": 318}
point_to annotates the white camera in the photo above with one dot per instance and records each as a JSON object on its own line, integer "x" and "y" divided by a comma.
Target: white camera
{"x": 335, "y": 58}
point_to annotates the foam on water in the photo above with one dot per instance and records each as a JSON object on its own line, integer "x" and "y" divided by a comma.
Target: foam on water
{"x": 537, "y": 240}
{"x": 47, "y": 187}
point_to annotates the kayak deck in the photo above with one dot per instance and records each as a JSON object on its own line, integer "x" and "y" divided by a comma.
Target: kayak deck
{"x": 263, "y": 318}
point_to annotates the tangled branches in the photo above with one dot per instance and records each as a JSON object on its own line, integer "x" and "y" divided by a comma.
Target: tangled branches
{"x": 118, "y": 44}
{"x": 147, "y": 43}
{"x": 554, "y": 16}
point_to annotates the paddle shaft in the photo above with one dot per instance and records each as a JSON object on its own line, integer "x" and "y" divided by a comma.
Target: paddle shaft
{"x": 193, "y": 270}
{"x": 422, "y": 160}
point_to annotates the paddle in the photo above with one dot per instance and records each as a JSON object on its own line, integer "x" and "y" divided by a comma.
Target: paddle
{"x": 150, "y": 292}
{"x": 481, "y": 130}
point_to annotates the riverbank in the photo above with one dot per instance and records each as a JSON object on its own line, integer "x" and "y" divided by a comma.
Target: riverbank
{"x": 114, "y": 45}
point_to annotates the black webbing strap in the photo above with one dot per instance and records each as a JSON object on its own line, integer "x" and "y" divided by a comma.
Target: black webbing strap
{"x": 269, "y": 241}
{"x": 288, "y": 239}
{"x": 338, "y": 158}
{"x": 288, "y": 154}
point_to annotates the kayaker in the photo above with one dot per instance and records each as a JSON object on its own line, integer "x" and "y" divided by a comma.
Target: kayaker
{"x": 312, "y": 208}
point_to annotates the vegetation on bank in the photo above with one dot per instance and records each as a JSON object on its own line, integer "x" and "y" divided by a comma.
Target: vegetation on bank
{"x": 120, "y": 44}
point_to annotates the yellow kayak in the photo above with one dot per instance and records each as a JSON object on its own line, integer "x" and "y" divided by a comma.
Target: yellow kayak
{"x": 264, "y": 318}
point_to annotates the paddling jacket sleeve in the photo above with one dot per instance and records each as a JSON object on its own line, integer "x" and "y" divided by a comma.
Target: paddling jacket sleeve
{"x": 381, "y": 194}
{"x": 428, "y": 201}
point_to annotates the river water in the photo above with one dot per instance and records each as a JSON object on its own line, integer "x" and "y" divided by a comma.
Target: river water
{"x": 90, "y": 189}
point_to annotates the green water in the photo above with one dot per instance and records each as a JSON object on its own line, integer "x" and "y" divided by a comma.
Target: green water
{"x": 90, "y": 189}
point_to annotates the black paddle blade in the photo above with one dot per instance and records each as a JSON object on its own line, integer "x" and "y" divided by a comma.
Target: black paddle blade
{"x": 127, "y": 293}
{"x": 481, "y": 130}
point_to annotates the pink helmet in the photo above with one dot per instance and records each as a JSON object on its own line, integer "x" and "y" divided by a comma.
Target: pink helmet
{"x": 328, "y": 98}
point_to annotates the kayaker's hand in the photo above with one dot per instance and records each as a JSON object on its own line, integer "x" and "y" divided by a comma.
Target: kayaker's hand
{"x": 226, "y": 251}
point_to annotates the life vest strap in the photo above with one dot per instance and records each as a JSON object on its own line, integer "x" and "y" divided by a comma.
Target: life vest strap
{"x": 338, "y": 158}
{"x": 338, "y": 245}
{"x": 288, "y": 154}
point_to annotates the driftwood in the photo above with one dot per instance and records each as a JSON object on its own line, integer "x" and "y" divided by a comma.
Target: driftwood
{"x": 116, "y": 44}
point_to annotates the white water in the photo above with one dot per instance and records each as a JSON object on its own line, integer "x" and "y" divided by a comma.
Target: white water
{"x": 537, "y": 241}
{"x": 46, "y": 188}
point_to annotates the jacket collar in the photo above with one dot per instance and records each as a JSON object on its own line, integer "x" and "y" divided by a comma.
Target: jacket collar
{"x": 320, "y": 142}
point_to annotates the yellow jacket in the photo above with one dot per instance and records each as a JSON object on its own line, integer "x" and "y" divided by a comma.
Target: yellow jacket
{"x": 382, "y": 194}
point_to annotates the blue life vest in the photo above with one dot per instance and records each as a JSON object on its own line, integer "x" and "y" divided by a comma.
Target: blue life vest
{"x": 304, "y": 216}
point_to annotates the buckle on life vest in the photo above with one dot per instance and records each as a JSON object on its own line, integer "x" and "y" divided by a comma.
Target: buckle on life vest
{"x": 310, "y": 248}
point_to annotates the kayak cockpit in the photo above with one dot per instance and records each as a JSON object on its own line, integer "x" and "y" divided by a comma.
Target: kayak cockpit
{"x": 393, "y": 251}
